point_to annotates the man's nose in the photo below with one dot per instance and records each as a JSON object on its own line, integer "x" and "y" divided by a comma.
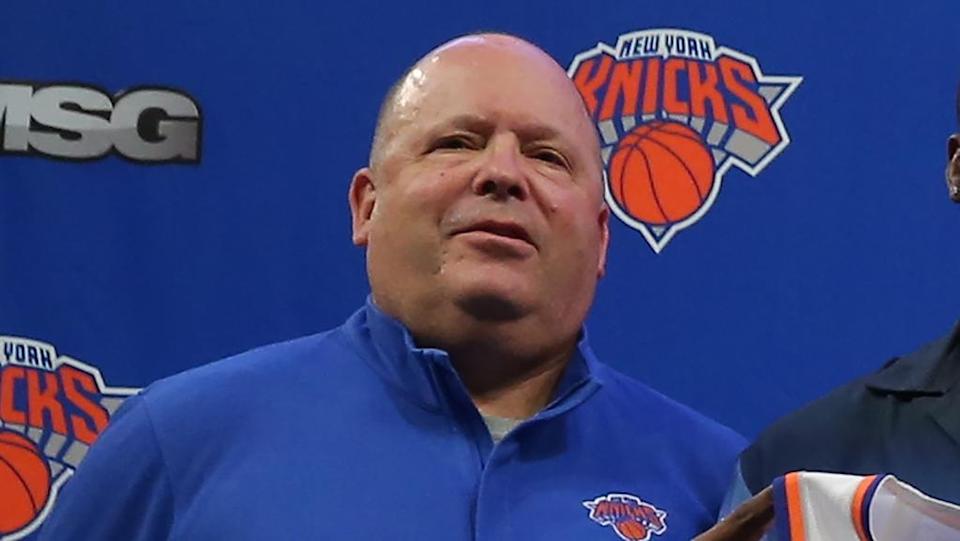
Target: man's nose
{"x": 501, "y": 175}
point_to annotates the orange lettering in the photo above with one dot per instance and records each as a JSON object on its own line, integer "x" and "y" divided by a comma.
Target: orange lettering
{"x": 625, "y": 82}
{"x": 75, "y": 384}
{"x": 651, "y": 86}
{"x": 703, "y": 88}
{"x": 8, "y": 412}
{"x": 671, "y": 103}
{"x": 587, "y": 84}
{"x": 755, "y": 119}
{"x": 40, "y": 401}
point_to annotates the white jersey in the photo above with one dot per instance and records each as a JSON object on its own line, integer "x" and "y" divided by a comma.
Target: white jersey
{"x": 834, "y": 507}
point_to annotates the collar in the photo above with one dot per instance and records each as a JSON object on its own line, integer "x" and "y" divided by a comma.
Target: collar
{"x": 421, "y": 373}
{"x": 932, "y": 370}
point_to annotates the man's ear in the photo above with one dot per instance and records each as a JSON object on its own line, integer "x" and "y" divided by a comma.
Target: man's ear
{"x": 363, "y": 198}
{"x": 603, "y": 221}
{"x": 953, "y": 166}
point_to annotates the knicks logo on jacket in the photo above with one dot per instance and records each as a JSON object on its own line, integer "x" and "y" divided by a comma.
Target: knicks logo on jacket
{"x": 630, "y": 517}
{"x": 674, "y": 113}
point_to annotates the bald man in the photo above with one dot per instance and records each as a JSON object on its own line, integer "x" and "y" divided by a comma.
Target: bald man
{"x": 462, "y": 401}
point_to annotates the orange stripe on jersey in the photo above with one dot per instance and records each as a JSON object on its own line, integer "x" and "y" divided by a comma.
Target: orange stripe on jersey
{"x": 791, "y": 483}
{"x": 856, "y": 507}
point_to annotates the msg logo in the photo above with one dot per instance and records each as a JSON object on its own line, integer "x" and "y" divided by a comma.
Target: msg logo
{"x": 80, "y": 122}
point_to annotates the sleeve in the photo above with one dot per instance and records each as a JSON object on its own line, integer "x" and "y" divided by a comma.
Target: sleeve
{"x": 737, "y": 493}
{"x": 121, "y": 490}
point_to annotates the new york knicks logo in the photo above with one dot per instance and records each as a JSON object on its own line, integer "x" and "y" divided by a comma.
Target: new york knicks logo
{"x": 52, "y": 408}
{"x": 674, "y": 113}
{"x": 632, "y": 518}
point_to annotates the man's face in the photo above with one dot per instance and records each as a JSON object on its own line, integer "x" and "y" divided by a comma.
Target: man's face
{"x": 487, "y": 191}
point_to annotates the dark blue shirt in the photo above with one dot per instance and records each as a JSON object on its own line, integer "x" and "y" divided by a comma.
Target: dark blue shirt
{"x": 903, "y": 419}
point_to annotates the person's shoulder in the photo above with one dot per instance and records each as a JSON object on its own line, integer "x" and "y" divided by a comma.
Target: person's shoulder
{"x": 147, "y": 455}
{"x": 122, "y": 481}
{"x": 253, "y": 364}
{"x": 824, "y": 417}
{"x": 837, "y": 432}
{"x": 631, "y": 395}
{"x": 796, "y": 440}
{"x": 230, "y": 384}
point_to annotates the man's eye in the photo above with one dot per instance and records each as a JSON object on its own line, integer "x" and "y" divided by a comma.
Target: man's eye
{"x": 551, "y": 157}
{"x": 455, "y": 142}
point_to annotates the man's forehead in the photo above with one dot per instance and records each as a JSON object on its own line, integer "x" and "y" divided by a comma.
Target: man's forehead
{"x": 483, "y": 62}
{"x": 494, "y": 79}
{"x": 489, "y": 78}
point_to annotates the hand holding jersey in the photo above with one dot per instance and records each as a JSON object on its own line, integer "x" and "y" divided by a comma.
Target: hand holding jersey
{"x": 817, "y": 506}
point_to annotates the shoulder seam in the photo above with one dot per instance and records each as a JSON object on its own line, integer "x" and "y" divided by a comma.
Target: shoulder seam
{"x": 163, "y": 464}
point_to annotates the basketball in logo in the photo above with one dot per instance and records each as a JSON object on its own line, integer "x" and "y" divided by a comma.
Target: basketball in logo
{"x": 661, "y": 172}
{"x": 24, "y": 482}
{"x": 632, "y": 530}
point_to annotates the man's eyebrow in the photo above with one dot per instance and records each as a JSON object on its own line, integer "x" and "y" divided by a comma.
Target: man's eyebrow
{"x": 539, "y": 132}
{"x": 527, "y": 131}
{"x": 467, "y": 122}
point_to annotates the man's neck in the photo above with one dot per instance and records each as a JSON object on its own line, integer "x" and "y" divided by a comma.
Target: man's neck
{"x": 510, "y": 368}
{"x": 511, "y": 388}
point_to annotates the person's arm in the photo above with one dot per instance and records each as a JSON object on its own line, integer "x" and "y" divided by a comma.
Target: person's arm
{"x": 121, "y": 490}
{"x": 737, "y": 493}
{"x": 748, "y": 522}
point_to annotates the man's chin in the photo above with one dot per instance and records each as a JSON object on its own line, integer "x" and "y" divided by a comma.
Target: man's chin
{"x": 491, "y": 306}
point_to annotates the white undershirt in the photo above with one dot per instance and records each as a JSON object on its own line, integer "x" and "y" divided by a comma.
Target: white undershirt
{"x": 499, "y": 427}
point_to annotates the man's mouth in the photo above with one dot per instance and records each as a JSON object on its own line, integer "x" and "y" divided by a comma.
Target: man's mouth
{"x": 508, "y": 230}
{"x": 505, "y": 229}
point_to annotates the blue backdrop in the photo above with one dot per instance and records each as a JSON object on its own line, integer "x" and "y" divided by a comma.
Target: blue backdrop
{"x": 836, "y": 256}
